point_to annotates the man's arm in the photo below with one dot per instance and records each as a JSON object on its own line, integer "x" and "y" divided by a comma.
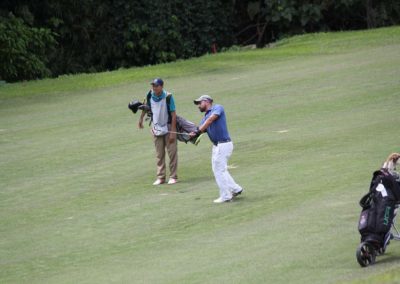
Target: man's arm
{"x": 172, "y": 135}
{"x": 207, "y": 123}
{"x": 202, "y": 128}
{"x": 140, "y": 124}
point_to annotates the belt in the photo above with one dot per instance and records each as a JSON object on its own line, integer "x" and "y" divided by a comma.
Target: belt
{"x": 222, "y": 141}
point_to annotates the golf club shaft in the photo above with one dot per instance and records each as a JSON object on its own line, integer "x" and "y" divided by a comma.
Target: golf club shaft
{"x": 181, "y": 133}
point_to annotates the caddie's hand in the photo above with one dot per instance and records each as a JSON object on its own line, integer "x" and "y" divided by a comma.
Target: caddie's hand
{"x": 140, "y": 124}
{"x": 172, "y": 137}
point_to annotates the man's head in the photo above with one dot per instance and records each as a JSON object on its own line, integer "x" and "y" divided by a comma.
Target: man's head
{"x": 204, "y": 102}
{"x": 157, "y": 85}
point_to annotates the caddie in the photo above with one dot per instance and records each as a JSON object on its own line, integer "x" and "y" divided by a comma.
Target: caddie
{"x": 214, "y": 123}
{"x": 163, "y": 116}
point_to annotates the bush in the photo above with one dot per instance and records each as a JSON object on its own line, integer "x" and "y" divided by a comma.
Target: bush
{"x": 23, "y": 50}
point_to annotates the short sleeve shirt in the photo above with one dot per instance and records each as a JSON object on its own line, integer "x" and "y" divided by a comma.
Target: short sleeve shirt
{"x": 218, "y": 130}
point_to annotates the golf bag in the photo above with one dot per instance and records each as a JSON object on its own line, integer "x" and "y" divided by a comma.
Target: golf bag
{"x": 378, "y": 209}
{"x": 183, "y": 126}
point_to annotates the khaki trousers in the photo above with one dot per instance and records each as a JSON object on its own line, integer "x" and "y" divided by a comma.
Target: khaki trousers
{"x": 161, "y": 143}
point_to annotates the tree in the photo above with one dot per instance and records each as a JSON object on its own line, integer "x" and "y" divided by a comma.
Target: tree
{"x": 23, "y": 50}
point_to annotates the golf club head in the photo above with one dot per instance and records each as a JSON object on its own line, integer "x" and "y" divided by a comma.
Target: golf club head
{"x": 134, "y": 105}
{"x": 196, "y": 139}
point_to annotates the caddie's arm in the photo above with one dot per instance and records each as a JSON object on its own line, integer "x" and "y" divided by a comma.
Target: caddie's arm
{"x": 140, "y": 124}
{"x": 172, "y": 134}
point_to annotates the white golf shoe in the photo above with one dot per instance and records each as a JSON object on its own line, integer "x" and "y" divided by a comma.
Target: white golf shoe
{"x": 220, "y": 200}
{"x": 158, "y": 182}
{"x": 172, "y": 181}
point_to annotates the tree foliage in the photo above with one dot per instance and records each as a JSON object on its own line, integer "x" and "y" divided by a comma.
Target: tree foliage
{"x": 272, "y": 19}
{"x": 98, "y": 35}
{"x": 23, "y": 50}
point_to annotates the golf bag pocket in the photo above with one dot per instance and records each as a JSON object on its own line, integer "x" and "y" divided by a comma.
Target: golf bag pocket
{"x": 159, "y": 130}
{"x": 366, "y": 222}
{"x": 384, "y": 215}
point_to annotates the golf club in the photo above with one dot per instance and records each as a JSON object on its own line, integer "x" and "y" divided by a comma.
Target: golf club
{"x": 180, "y": 133}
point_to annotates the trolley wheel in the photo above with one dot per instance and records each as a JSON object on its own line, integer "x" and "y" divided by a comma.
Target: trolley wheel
{"x": 365, "y": 254}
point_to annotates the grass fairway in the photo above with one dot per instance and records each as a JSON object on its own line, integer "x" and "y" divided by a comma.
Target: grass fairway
{"x": 310, "y": 118}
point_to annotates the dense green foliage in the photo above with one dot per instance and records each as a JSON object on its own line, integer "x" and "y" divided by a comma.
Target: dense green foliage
{"x": 24, "y": 49}
{"x": 273, "y": 19}
{"x": 98, "y": 35}
{"x": 95, "y": 35}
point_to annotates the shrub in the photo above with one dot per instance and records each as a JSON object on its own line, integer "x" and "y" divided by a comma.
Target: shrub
{"x": 23, "y": 50}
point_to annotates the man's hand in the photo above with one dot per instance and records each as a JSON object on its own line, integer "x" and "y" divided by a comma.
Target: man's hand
{"x": 194, "y": 134}
{"x": 140, "y": 124}
{"x": 172, "y": 137}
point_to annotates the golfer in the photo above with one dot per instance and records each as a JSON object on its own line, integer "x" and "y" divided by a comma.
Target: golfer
{"x": 214, "y": 122}
{"x": 163, "y": 117}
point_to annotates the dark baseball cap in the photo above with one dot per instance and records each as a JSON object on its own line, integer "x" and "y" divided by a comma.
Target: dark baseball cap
{"x": 157, "y": 82}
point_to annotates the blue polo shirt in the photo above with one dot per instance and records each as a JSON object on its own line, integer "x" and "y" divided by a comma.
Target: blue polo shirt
{"x": 218, "y": 130}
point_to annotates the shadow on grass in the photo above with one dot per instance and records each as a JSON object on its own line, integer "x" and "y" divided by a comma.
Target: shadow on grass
{"x": 387, "y": 258}
{"x": 197, "y": 179}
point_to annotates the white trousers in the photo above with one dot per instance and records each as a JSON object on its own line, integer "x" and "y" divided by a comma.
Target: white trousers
{"x": 220, "y": 156}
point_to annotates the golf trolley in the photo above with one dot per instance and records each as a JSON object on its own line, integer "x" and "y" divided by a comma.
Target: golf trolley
{"x": 369, "y": 249}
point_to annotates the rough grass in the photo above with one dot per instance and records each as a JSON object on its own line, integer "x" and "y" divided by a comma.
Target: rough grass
{"x": 77, "y": 205}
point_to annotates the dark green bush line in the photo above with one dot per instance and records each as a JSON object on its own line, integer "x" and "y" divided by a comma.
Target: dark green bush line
{"x": 48, "y": 38}
{"x": 23, "y": 52}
